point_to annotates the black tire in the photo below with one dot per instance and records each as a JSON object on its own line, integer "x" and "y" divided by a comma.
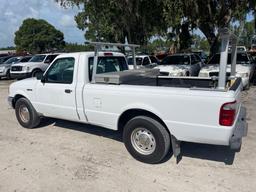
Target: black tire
{"x": 159, "y": 133}
{"x": 8, "y": 75}
{"x": 33, "y": 119}
{"x": 187, "y": 74}
{"x": 36, "y": 72}
{"x": 247, "y": 87}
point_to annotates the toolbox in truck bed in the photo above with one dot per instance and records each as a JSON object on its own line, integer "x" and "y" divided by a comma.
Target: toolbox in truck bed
{"x": 123, "y": 77}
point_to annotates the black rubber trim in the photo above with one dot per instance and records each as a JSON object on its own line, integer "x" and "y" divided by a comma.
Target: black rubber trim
{"x": 236, "y": 84}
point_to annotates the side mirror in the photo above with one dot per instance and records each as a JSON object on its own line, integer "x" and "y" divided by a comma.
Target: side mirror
{"x": 42, "y": 78}
{"x": 39, "y": 76}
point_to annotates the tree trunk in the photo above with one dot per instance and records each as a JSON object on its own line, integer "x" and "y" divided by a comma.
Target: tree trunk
{"x": 212, "y": 39}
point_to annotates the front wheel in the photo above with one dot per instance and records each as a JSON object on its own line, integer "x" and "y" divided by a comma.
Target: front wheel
{"x": 146, "y": 139}
{"x": 26, "y": 114}
{"x": 8, "y": 75}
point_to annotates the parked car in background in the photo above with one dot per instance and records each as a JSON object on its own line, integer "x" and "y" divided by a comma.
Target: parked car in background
{"x": 202, "y": 55}
{"x": 239, "y": 48}
{"x": 244, "y": 67}
{"x": 154, "y": 59}
{"x": 181, "y": 64}
{"x": 4, "y": 54}
{"x": 36, "y": 65}
{"x": 5, "y": 67}
{"x": 143, "y": 61}
{"x": 5, "y": 58}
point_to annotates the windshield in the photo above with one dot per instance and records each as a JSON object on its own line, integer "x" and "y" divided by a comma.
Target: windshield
{"x": 3, "y": 59}
{"x": 12, "y": 60}
{"x": 242, "y": 58}
{"x": 138, "y": 61}
{"x": 37, "y": 58}
{"x": 176, "y": 60}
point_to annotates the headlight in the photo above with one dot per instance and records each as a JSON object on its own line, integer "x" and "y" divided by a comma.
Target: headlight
{"x": 25, "y": 68}
{"x": 2, "y": 69}
{"x": 203, "y": 74}
{"x": 243, "y": 75}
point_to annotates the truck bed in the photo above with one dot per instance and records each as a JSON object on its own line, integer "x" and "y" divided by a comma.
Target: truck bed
{"x": 152, "y": 77}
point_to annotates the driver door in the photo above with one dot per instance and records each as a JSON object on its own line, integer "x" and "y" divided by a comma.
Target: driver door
{"x": 55, "y": 94}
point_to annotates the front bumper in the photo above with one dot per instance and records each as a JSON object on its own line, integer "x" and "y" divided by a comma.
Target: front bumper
{"x": 10, "y": 101}
{"x": 240, "y": 130}
{"x": 20, "y": 75}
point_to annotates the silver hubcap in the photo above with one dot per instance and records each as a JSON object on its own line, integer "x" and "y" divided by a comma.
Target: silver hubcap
{"x": 24, "y": 113}
{"x": 143, "y": 141}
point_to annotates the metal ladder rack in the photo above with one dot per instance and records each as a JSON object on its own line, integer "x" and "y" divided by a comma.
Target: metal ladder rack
{"x": 97, "y": 47}
{"x": 227, "y": 38}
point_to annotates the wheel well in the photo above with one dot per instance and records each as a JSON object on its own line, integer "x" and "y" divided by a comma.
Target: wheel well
{"x": 131, "y": 113}
{"x": 15, "y": 99}
{"x": 36, "y": 69}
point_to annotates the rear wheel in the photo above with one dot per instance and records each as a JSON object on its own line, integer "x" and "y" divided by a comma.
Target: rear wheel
{"x": 146, "y": 139}
{"x": 26, "y": 114}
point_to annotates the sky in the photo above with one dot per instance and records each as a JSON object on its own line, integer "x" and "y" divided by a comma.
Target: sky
{"x": 13, "y": 12}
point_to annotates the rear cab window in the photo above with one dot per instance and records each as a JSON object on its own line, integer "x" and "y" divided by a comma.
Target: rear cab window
{"x": 107, "y": 64}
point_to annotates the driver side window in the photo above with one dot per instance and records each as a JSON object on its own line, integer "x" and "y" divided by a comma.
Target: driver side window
{"x": 61, "y": 71}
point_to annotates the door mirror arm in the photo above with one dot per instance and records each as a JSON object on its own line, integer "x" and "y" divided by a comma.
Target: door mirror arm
{"x": 43, "y": 79}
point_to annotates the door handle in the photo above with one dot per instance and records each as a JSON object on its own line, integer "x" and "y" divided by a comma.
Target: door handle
{"x": 68, "y": 90}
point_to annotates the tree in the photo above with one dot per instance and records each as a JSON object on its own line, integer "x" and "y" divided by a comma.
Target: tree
{"x": 116, "y": 20}
{"x": 74, "y": 47}
{"x": 37, "y": 36}
{"x": 207, "y": 15}
{"x": 246, "y": 34}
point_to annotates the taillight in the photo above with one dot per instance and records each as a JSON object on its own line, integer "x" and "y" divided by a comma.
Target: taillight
{"x": 228, "y": 113}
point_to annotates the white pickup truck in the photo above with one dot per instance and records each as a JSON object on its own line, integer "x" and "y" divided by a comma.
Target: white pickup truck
{"x": 153, "y": 112}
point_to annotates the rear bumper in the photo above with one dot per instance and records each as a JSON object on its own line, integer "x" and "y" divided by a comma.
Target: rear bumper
{"x": 240, "y": 130}
{"x": 20, "y": 75}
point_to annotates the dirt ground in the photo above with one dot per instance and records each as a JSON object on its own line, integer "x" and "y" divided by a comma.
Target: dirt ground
{"x": 65, "y": 156}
